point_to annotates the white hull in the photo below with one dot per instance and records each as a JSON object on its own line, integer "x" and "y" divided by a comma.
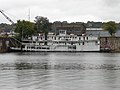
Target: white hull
{"x": 91, "y": 46}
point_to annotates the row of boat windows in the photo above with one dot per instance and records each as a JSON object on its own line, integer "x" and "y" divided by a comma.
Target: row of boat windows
{"x": 83, "y": 43}
{"x": 67, "y": 43}
{"x": 49, "y": 48}
{"x": 69, "y": 47}
{"x": 61, "y": 43}
{"x": 62, "y": 38}
{"x": 38, "y": 48}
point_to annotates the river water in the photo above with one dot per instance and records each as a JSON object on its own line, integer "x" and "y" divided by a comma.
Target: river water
{"x": 60, "y": 71}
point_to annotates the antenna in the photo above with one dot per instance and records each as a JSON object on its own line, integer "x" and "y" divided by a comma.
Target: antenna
{"x": 29, "y": 14}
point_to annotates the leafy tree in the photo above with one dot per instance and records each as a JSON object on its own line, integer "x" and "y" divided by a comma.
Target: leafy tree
{"x": 42, "y": 25}
{"x": 24, "y": 28}
{"x": 111, "y": 27}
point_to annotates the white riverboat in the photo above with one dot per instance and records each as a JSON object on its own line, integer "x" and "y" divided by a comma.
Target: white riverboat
{"x": 61, "y": 43}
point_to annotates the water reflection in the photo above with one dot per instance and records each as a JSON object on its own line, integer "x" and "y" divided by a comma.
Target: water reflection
{"x": 59, "y": 71}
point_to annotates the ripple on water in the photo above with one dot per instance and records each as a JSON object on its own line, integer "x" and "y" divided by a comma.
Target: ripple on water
{"x": 62, "y": 66}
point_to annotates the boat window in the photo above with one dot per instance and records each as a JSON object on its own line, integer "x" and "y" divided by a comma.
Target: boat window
{"x": 39, "y": 47}
{"x": 32, "y": 47}
{"x": 84, "y": 38}
{"x": 96, "y": 43}
{"x": 71, "y": 43}
{"x": 83, "y": 43}
{"x": 58, "y": 38}
{"x": 45, "y": 48}
{"x": 87, "y": 38}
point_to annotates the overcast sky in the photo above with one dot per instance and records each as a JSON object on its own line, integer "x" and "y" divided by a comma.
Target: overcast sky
{"x": 61, "y": 10}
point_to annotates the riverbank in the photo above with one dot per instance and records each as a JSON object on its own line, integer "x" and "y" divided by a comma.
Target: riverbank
{"x": 111, "y": 44}
{"x": 6, "y": 43}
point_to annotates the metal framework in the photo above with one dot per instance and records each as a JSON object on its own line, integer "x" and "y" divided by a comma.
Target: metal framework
{"x": 1, "y": 11}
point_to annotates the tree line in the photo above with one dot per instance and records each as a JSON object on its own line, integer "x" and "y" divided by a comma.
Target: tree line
{"x": 26, "y": 29}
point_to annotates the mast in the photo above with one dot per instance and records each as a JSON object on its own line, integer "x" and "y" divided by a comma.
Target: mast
{"x": 29, "y": 14}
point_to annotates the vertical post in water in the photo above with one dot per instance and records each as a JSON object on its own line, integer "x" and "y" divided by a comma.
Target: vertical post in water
{"x": 22, "y": 40}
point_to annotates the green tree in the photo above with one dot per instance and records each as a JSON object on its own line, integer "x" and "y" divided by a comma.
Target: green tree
{"x": 42, "y": 25}
{"x": 24, "y": 29}
{"x": 111, "y": 27}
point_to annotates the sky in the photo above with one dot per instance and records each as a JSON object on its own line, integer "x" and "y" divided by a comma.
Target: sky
{"x": 61, "y": 10}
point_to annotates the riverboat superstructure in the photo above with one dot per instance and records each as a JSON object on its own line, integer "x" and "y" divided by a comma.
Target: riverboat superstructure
{"x": 61, "y": 43}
